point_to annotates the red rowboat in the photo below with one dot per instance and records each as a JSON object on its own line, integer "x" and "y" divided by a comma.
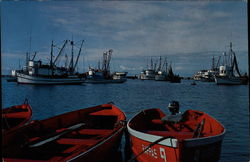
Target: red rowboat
{"x": 195, "y": 137}
{"x": 16, "y": 116}
{"x": 90, "y": 134}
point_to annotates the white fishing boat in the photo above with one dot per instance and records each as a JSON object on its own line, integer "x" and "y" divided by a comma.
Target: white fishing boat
{"x": 208, "y": 75}
{"x": 50, "y": 74}
{"x": 46, "y": 80}
{"x": 229, "y": 72}
{"x": 120, "y": 76}
{"x": 148, "y": 74}
{"x": 103, "y": 75}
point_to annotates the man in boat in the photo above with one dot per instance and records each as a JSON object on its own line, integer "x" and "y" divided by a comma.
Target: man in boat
{"x": 176, "y": 115}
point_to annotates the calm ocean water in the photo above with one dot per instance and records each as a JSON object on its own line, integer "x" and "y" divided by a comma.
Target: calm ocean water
{"x": 228, "y": 104}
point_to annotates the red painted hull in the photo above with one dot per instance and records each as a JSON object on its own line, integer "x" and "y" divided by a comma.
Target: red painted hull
{"x": 16, "y": 116}
{"x": 178, "y": 141}
{"x": 83, "y": 135}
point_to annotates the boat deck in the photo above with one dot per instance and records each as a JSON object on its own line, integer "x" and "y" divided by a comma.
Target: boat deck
{"x": 188, "y": 127}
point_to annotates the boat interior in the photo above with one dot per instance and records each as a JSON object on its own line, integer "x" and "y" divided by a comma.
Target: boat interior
{"x": 14, "y": 116}
{"x": 65, "y": 135}
{"x": 193, "y": 124}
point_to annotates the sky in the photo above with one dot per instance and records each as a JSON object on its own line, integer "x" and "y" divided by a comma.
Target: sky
{"x": 187, "y": 33}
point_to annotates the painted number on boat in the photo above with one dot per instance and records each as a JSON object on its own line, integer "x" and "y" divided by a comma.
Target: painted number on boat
{"x": 153, "y": 152}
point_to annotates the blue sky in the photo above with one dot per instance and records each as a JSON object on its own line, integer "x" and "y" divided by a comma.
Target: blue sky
{"x": 188, "y": 33}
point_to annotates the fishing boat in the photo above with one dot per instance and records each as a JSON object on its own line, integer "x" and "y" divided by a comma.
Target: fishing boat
{"x": 35, "y": 72}
{"x": 149, "y": 73}
{"x": 208, "y": 75}
{"x": 229, "y": 72}
{"x": 89, "y": 134}
{"x": 161, "y": 74}
{"x": 16, "y": 116}
{"x": 191, "y": 136}
{"x": 171, "y": 77}
{"x": 103, "y": 75}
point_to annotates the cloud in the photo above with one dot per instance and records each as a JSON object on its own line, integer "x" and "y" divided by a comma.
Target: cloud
{"x": 163, "y": 27}
{"x": 183, "y": 31}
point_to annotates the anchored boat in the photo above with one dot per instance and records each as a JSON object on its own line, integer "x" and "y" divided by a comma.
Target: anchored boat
{"x": 161, "y": 74}
{"x": 228, "y": 70}
{"x": 16, "y": 116}
{"x": 103, "y": 75}
{"x": 83, "y": 135}
{"x": 35, "y": 72}
{"x": 191, "y": 136}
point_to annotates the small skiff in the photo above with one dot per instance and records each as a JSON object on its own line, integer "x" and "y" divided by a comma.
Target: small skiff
{"x": 195, "y": 137}
{"x": 90, "y": 134}
{"x": 16, "y": 116}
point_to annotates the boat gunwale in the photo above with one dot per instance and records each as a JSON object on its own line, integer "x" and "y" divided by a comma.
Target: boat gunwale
{"x": 26, "y": 120}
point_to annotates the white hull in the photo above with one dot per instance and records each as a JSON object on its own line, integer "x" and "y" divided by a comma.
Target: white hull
{"x": 147, "y": 77}
{"x": 227, "y": 80}
{"x": 27, "y": 79}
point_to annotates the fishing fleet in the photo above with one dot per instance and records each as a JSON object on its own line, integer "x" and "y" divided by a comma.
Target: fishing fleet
{"x": 225, "y": 72}
{"x": 96, "y": 132}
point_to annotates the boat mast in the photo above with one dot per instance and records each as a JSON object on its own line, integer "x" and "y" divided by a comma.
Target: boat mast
{"x": 72, "y": 57}
{"x": 106, "y": 62}
{"x": 151, "y": 61}
{"x": 78, "y": 56}
{"x": 27, "y": 60}
{"x": 165, "y": 64}
{"x": 60, "y": 52}
{"x": 213, "y": 67}
{"x": 159, "y": 68}
{"x": 51, "y": 58}
{"x": 217, "y": 65}
{"x": 66, "y": 61}
{"x": 99, "y": 68}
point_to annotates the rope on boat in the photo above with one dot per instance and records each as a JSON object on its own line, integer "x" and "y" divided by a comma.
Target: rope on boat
{"x": 149, "y": 146}
{"x": 199, "y": 129}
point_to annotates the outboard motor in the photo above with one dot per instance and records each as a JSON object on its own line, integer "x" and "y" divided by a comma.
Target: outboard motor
{"x": 174, "y": 107}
